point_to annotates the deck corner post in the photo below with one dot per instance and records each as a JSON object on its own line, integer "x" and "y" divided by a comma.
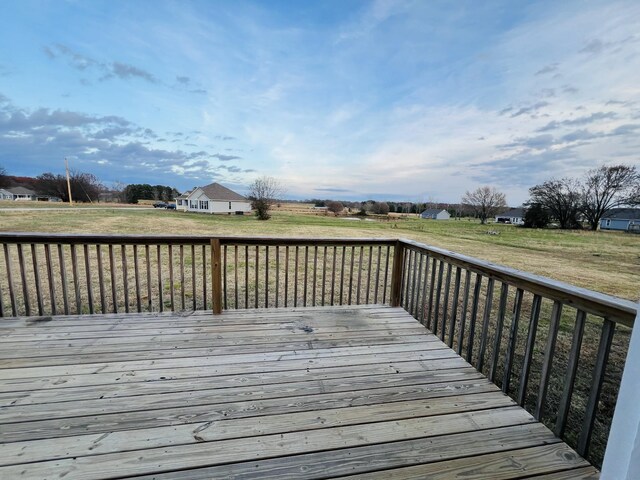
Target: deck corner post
{"x": 216, "y": 276}
{"x": 396, "y": 273}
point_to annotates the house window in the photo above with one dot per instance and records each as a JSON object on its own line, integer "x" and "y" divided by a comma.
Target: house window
{"x": 204, "y": 205}
{"x": 608, "y": 222}
{"x": 193, "y": 204}
{"x": 229, "y": 205}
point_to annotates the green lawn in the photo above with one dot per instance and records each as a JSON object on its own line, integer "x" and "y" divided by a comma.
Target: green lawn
{"x": 604, "y": 261}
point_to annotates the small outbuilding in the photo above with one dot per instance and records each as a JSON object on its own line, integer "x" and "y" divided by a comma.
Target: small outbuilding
{"x": 214, "y": 198}
{"x": 622, "y": 219}
{"x": 435, "y": 214}
{"x": 514, "y": 216}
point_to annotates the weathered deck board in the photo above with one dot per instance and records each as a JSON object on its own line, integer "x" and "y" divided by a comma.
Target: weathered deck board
{"x": 290, "y": 393}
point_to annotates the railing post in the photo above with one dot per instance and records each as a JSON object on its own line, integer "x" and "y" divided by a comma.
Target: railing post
{"x": 216, "y": 276}
{"x": 396, "y": 274}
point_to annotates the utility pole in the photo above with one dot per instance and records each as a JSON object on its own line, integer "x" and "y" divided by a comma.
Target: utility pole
{"x": 66, "y": 166}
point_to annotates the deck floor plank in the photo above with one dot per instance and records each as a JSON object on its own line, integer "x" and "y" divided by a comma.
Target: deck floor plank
{"x": 289, "y": 393}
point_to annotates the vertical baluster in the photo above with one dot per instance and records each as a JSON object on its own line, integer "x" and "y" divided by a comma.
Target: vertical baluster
{"x": 182, "y": 296}
{"x": 570, "y": 375}
{"x": 423, "y": 303}
{"x": 333, "y": 275}
{"x": 344, "y": 251}
{"x": 257, "y": 275}
{"x": 136, "y": 275}
{"x": 474, "y": 316}
{"x": 147, "y": 256}
{"x": 125, "y": 277}
{"x": 513, "y": 338}
{"x": 87, "y": 272}
{"x": 432, "y": 285}
{"x": 369, "y": 274}
{"x": 52, "y": 288}
{"x": 76, "y": 279}
{"x": 63, "y": 279}
{"x": 547, "y": 363}
{"x": 12, "y": 292}
{"x": 171, "y": 279}
{"x": 224, "y": 277}
{"x": 445, "y": 306}
{"x": 36, "y": 275}
{"x": 216, "y": 276}
{"x": 414, "y": 281}
{"x": 306, "y": 282}
{"x": 604, "y": 347}
{"x": 454, "y": 306}
{"x": 386, "y": 273}
{"x": 417, "y": 288}
{"x": 502, "y": 311}
{"x": 324, "y": 275}
{"x": 112, "y": 272}
{"x": 103, "y": 294}
{"x": 486, "y": 318}
{"x": 286, "y": 274}
{"x": 277, "y": 274}
{"x": 246, "y": 276}
{"x": 160, "y": 292}
{"x": 353, "y": 254}
{"x": 359, "y": 276}
{"x": 266, "y": 276}
{"x": 23, "y": 278}
{"x": 406, "y": 278}
{"x": 438, "y": 295}
{"x": 295, "y": 279}
{"x": 465, "y": 305}
{"x": 315, "y": 275}
{"x": 528, "y": 352}
{"x": 377, "y": 284}
{"x": 204, "y": 277}
{"x": 235, "y": 273}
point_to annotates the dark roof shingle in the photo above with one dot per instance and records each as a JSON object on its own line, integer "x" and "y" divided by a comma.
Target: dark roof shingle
{"x": 215, "y": 191}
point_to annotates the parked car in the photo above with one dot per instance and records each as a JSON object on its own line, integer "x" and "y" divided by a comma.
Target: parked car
{"x": 171, "y": 206}
{"x": 159, "y": 205}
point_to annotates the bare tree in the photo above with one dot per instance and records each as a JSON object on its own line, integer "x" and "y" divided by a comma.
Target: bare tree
{"x": 380, "y": 208}
{"x": 605, "y": 188}
{"x": 264, "y": 192}
{"x": 4, "y": 179}
{"x": 335, "y": 207}
{"x": 561, "y": 198}
{"x": 485, "y": 202}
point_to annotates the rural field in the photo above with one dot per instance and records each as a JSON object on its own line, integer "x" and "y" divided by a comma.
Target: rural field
{"x": 608, "y": 262}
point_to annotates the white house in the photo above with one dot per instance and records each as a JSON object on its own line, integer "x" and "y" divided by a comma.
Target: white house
{"x": 435, "y": 214}
{"x": 514, "y": 216}
{"x": 213, "y": 198}
{"x": 5, "y": 194}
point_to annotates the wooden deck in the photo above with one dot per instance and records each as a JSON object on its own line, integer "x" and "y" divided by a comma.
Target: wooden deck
{"x": 364, "y": 392}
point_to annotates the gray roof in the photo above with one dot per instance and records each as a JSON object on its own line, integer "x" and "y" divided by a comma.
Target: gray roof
{"x": 433, "y": 211}
{"x": 215, "y": 191}
{"x": 512, "y": 213}
{"x": 623, "y": 214}
{"x": 185, "y": 194}
{"x": 21, "y": 191}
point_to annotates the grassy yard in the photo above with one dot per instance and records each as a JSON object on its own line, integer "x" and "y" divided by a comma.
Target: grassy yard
{"x": 608, "y": 262}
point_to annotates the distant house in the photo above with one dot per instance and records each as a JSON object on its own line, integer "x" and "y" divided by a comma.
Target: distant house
{"x": 624, "y": 219}
{"x": 514, "y": 216}
{"x": 5, "y": 194}
{"x": 22, "y": 193}
{"x": 213, "y": 198}
{"x": 435, "y": 214}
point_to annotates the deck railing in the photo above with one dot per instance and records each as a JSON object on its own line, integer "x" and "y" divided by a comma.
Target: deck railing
{"x": 545, "y": 343}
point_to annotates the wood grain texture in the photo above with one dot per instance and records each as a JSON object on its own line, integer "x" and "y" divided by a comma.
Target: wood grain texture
{"x": 288, "y": 393}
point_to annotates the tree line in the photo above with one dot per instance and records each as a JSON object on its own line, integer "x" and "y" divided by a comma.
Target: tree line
{"x": 569, "y": 202}
{"x": 86, "y": 187}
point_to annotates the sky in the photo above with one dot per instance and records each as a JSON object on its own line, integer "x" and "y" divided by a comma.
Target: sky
{"x": 345, "y": 99}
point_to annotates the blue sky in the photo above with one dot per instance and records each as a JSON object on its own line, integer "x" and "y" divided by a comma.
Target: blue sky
{"x": 400, "y": 100}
